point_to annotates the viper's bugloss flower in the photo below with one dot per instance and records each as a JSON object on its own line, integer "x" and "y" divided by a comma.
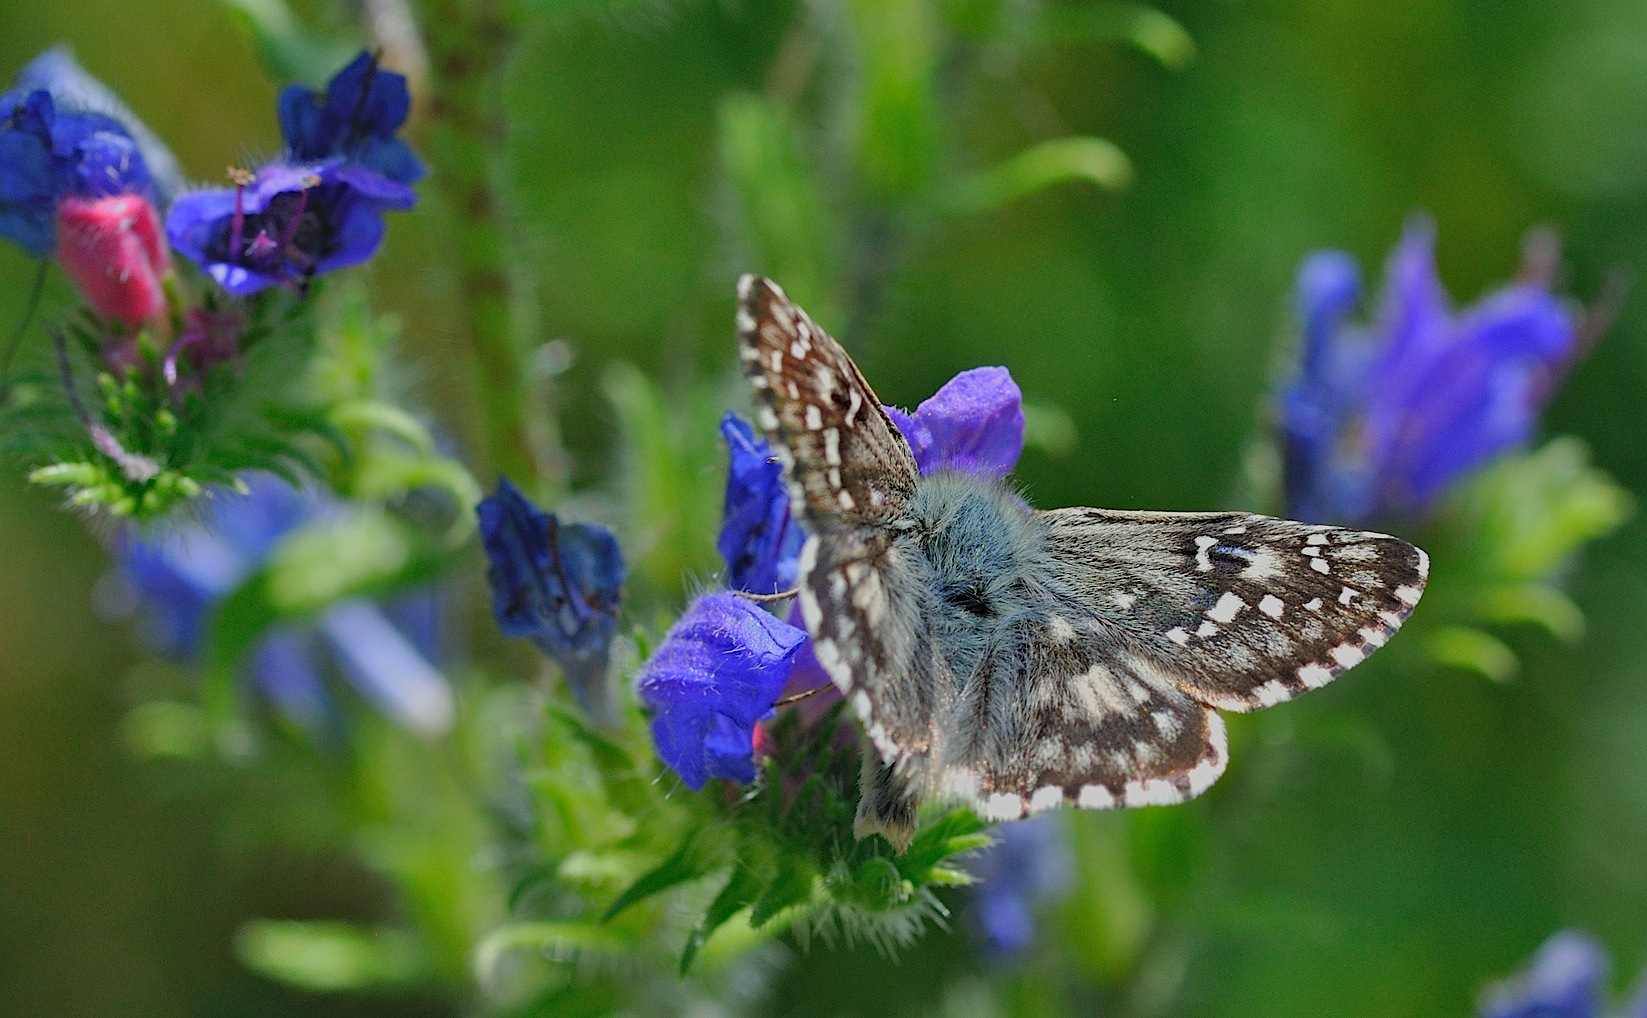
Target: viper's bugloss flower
{"x": 1567, "y": 979}
{"x": 356, "y": 118}
{"x": 759, "y": 540}
{"x": 718, "y": 672}
{"x": 112, "y": 250}
{"x": 556, "y": 584}
{"x": 974, "y": 424}
{"x": 1382, "y": 418}
{"x": 48, "y": 152}
{"x": 1028, "y": 866}
{"x": 286, "y": 224}
{"x": 387, "y": 652}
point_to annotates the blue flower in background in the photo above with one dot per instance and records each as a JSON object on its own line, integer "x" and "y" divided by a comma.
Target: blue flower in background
{"x": 1567, "y": 979}
{"x": 1381, "y": 419}
{"x": 759, "y": 540}
{"x": 355, "y": 118}
{"x": 286, "y": 224}
{"x": 556, "y": 584}
{"x": 73, "y": 88}
{"x": 1028, "y": 866}
{"x": 387, "y": 652}
{"x": 49, "y": 151}
{"x": 718, "y": 672}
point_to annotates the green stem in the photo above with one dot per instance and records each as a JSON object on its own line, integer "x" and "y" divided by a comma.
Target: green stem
{"x": 469, "y": 45}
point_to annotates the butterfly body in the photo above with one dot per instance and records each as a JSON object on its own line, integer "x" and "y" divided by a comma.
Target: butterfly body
{"x": 1017, "y": 659}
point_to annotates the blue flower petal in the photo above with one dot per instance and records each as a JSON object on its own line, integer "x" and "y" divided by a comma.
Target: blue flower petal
{"x": 759, "y": 541}
{"x": 719, "y": 670}
{"x": 356, "y": 119}
{"x": 556, "y": 584}
{"x": 294, "y": 221}
{"x": 975, "y": 424}
{"x": 1564, "y": 981}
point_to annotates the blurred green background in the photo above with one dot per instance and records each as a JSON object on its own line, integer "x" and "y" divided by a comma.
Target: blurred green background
{"x": 1394, "y": 881}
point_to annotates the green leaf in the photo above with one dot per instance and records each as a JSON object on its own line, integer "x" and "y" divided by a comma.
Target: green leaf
{"x": 1538, "y": 603}
{"x": 288, "y": 53}
{"x": 693, "y": 860}
{"x": 741, "y": 890}
{"x": 1473, "y": 650}
{"x": 1144, "y": 28}
{"x": 795, "y": 885}
{"x": 789, "y": 232}
{"x": 1058, "y": 161}
{"x": 327, "y": 957}
{"x": 897, "y": 112}
{"x": 1536, "y": 509}
{"x": 561, "y": 942}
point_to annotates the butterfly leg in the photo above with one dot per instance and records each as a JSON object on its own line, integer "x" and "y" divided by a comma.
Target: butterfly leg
{"x": 884, "y": 807}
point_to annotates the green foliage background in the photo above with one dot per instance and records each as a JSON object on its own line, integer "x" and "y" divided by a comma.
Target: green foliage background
{"x": 1386, "y": 870}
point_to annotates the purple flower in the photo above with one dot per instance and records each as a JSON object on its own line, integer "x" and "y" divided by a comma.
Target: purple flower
{"x": 1381, "y": 419}
{"x": 355, "y": 118}
{"x": 975, "y": 424}
{"x": 556, "y": 584}
{"x": 387, "y": 652}
{"x": 718, "y": 672}
{"x": 1566, "y": 979}
{"x": 49, "y": 152}
{"x": 759, "y": 540}
{"x": 1029, "y": 866}
{"x": 286, "y": 224}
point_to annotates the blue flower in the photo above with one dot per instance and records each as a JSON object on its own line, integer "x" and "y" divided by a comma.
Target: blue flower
{"x": 718, "y": 672}
{"x": 385, "y": 651}
{"x": 286, "y": 224}
{"x": 759, "y": 540}
{"x": 557, "y": 584}
{"x": 974, "y": 424}
{"x": 1381, "y": 419}
{"x": 1566, "y": 979}
{"x": 48, "y": 152}
{"x": 73, "y": 88}
{"x": 1028, "y": 866}
{"x": 355, "y": 118}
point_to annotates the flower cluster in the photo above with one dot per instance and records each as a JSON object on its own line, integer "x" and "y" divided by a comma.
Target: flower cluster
{"x": 725, "y": 664}
{"x": 321, "y": 207}
{"x": 1382, "y": 418}
{"x": 387, "y": 652}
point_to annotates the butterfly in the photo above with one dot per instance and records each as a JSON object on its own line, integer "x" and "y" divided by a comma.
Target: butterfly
{"x": 1014, "y": 659}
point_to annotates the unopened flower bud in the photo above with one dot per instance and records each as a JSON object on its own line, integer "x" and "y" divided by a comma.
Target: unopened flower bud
{"x": 111, "y": 248}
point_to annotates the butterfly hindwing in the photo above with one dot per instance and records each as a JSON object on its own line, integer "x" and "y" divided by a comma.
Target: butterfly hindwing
{"x": 848, "y": 465}
{"x": 1059, "y": 713}
{"x": 1244, "y": 611}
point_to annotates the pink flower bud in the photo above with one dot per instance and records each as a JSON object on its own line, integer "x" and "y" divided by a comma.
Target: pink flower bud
{"x": 112, "y": 249}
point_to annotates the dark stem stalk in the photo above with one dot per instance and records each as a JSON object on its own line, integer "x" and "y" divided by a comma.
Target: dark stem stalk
{"x": 469, "y": 43}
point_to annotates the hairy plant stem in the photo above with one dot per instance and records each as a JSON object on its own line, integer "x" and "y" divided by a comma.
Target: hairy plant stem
{"x": 469, "y": 43}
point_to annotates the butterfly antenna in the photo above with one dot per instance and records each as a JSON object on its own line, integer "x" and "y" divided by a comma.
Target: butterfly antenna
{"x": 15, "y": 340}
{"x": 798, "y": 697}
{"x": 782, "y": 595}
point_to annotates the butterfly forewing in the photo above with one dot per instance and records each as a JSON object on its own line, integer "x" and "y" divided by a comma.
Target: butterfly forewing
{"x": 1244, "y": 611}
{"x": 848, "y": 465}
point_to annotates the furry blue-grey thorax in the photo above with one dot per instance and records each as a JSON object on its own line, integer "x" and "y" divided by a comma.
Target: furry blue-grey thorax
{"x": 978, "y": 547}
{"x": 1018, "y": 660}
